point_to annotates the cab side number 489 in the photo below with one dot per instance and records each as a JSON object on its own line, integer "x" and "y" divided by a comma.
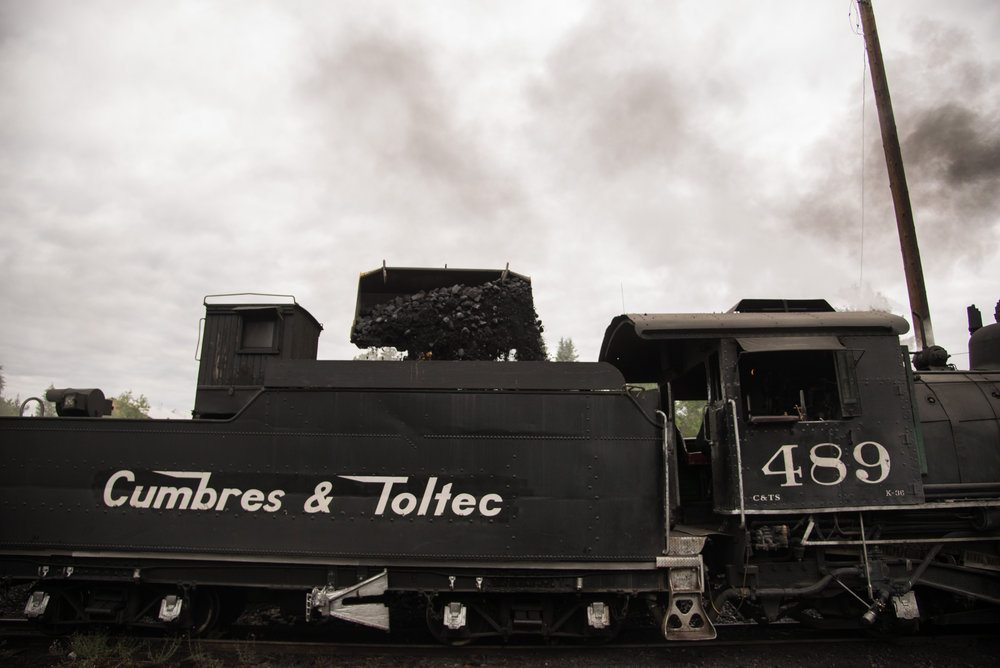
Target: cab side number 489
{"x": 872, "y": 459}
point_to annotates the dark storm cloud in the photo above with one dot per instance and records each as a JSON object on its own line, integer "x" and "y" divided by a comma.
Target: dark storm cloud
{"x": 949, "y": 130}
{"x": 956, "y": 145}
{"x": 953, "y": 162}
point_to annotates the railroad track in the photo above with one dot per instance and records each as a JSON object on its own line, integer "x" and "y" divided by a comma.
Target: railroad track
{"x": 23, "y": 644}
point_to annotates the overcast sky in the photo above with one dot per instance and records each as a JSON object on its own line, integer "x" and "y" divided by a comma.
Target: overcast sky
{"x": 629, "y": 156}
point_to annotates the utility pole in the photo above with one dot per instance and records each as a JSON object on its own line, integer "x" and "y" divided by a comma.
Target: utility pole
{"x": 919, "y": 309}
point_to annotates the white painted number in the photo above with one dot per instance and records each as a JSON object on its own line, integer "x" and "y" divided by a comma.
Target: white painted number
{"x": 819, "y": 463}
{"x": 882, "y": 462}
{"x": 827, "y": 468}
{"x": 791, "y": 472}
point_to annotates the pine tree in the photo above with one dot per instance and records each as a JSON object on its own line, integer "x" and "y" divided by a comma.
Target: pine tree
{"x": 7, "y": 406}
{"x": 566, "y": 351}
{"x": 131, "y": 407}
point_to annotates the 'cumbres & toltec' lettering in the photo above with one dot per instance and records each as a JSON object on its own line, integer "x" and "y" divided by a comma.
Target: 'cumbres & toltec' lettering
{"x": 436, "y": 500}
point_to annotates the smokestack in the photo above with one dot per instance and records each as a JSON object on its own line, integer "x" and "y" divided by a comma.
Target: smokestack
{"x": 984, "y": 342}
{"x": 975, "y": 318}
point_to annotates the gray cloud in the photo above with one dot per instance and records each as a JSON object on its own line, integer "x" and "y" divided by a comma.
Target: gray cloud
{"x": 957, "y": 146}
{"x": 389, "y": 131}
{"x": 674, "y": 157}
{"x": 968, "y": 143}
{"x": 951, "y": 154}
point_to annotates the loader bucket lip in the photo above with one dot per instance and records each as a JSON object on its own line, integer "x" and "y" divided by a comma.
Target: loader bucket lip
{"x": 386, "y": 283}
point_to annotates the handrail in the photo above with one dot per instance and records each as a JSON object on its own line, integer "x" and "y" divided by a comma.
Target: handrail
{"x": 666, "y": 483}
{"x": 739, "y": 463}
{"x": 25, "y": 403}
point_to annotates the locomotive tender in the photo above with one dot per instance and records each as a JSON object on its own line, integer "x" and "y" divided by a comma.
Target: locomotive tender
{"x": 828, "y": 482}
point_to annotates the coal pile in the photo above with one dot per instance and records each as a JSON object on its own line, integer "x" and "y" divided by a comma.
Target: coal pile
{"x": 488, "y": 321}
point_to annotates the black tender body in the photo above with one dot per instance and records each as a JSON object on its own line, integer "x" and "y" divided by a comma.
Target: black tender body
{"x": 390, "y": 473}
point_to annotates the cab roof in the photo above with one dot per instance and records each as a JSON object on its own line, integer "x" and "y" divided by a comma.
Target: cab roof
{"x": 638, "y": 343}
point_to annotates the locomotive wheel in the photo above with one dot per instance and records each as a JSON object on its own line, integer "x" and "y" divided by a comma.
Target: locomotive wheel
{"x": 206, "y": 609}
{"x": 61, "y": 614}
{"x": 906, "y": 627}
{"x": 214, "y": 610}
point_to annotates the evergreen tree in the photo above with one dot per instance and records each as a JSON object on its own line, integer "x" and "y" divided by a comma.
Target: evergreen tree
{"x": 688, "y": 416}
{"x": 130, "y": 406}
{"x": 566, "y": 352}
{"x": 7, "y": 406}
{"x": 381, "y": 354}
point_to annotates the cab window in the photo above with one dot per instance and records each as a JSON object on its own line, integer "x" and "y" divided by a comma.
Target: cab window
{"x": 797, "y": 385}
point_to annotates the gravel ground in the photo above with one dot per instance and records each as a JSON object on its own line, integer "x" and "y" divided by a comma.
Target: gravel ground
{"x": 950, "y": 653}
{"x": 923, "y": 651}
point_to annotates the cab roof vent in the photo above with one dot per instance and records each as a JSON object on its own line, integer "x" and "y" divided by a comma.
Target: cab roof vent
{"x": 782, "y": 306}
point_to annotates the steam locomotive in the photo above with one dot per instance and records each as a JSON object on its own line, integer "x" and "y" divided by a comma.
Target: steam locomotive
{"x": 827, "y": 481}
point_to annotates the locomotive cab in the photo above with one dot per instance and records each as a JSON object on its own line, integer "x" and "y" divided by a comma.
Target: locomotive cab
{"x": 830, "y": 463}
{"x": 802, "y": 405}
